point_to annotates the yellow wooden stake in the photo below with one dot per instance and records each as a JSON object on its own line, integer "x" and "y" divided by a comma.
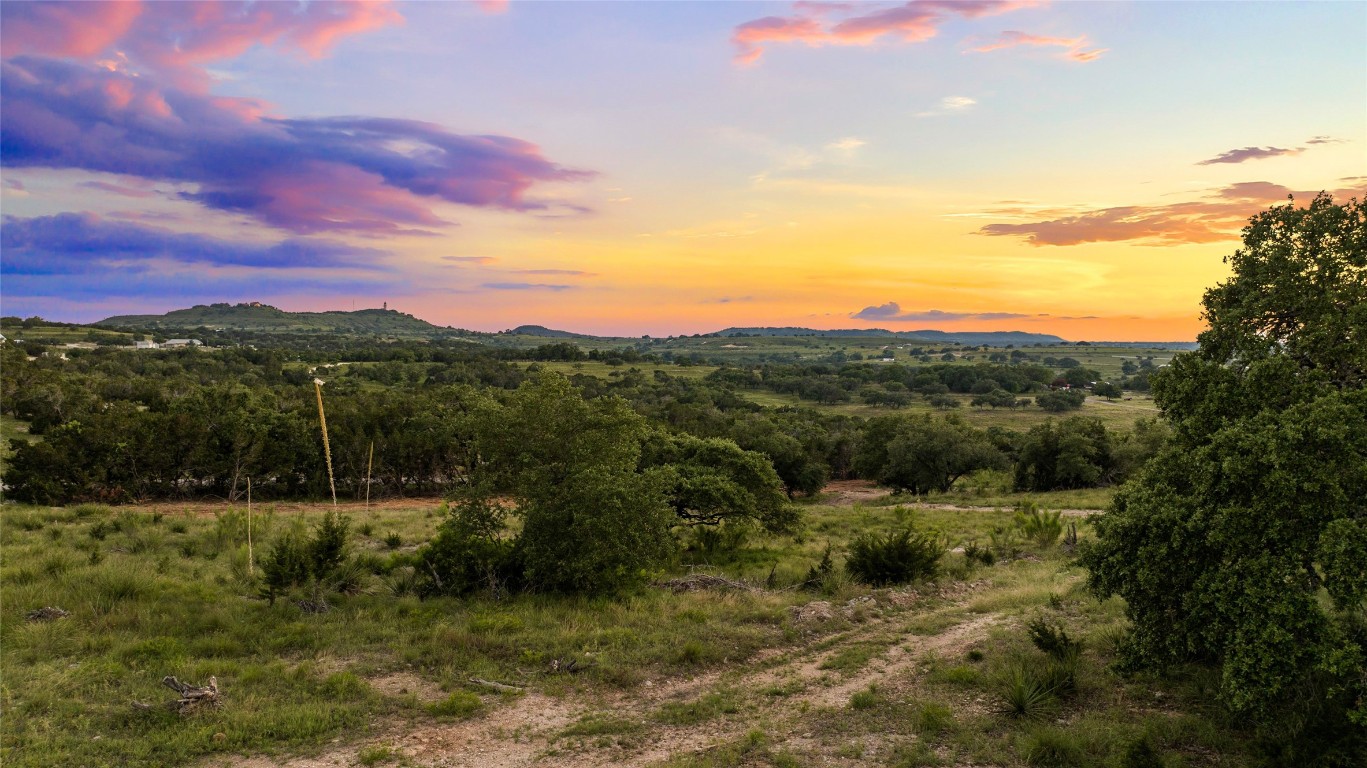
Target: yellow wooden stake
{"x": 251, "y": 560}
{"x": 369, "y": 462}
{"x": 327, "y": 449}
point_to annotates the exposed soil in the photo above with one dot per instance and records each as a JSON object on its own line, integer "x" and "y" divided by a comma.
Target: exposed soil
{"x": 527, "y": 730}
{"x": 844, "y": 493}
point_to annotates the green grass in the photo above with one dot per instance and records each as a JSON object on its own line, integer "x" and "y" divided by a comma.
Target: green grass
{"x": 609, "y": 372}
{"x": 170, "y": 594}
{"x": 1120, "y": 415}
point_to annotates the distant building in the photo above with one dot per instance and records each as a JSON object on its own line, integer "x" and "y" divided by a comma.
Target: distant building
{"x": 183, "y": 343}
{"x": 146, "y": 344}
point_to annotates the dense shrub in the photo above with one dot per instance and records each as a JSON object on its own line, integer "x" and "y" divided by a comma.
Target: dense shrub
{"x": 1061, "y": 400}
{"x": 469, "y": 552}
{"x": 898, "y": 558}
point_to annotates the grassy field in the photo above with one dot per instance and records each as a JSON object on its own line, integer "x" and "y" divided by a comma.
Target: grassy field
{"x": 768, "y": 674}
{"x": 604, "y": 371}
{"x": 1120, "y": 414}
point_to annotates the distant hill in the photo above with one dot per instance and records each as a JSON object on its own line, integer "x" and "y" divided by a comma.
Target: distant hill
{"x": 971, "y": 338}
{"x": 541, "y": 330}
{"x": 263, "y": 318}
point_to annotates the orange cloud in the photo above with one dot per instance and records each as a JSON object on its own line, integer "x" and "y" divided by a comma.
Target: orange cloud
{"x": 911, "y": 22}
{"x": 1077, "y": 46}
{"x": 1217, "y": 217}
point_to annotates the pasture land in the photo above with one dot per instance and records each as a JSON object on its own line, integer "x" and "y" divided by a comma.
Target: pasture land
{"x": 690, "y": 672}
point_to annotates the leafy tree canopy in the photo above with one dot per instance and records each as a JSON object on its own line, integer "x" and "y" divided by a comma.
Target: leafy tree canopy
{"x": 1242, "y": 543}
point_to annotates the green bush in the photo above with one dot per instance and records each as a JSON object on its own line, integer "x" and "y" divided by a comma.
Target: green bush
{"x": 601, "y": 530}
{"x": 469, "y": 553}
{"x": 327, "y": 549}
{"x": 898, "y": 558}
{"x": 286, "y": 566}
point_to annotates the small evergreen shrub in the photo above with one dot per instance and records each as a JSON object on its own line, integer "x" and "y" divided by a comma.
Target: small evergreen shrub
{"x": 286, "y": 566}
{"x": 820, "y": 574}
{"x": 898, "y": 558}
{"x": 974, "y": 553}
{"x": 327, "y": 549}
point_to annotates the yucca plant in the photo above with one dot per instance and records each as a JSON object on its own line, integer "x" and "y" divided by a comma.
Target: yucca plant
{"x": 1040, "y": 526}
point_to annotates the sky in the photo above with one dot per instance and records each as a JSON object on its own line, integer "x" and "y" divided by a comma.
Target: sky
{"x": 662, "y": 168}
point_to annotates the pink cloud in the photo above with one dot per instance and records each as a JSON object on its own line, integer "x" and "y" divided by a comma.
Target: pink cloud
{"x": 911, "y": 22}
{"x": 1076, "y": 46}
{"x": 1217, "y": 217}
{"x": 75, "y": 29}
{"x": 175, "y": 39}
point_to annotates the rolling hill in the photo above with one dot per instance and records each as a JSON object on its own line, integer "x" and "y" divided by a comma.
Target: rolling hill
{"x": 263, "y": 318}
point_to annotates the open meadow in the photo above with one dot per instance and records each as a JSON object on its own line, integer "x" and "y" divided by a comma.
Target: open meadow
{"x": 725, "y": 659}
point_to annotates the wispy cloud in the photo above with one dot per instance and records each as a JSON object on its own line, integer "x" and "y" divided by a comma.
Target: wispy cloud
{"x": 78, "y": 256}
{"x": 479, "y": 260}
{"x": 525, "y": 287}
{"x": 911, "y": 22}
{"x": 849, "y": 144}
{"x": 122, "y": 190}
{"x": 53, "y": 244}
{"x": 892, "y": 312}
{"x": 1075, "y": 48}
{"x": 1250, "y": 153}
{"x": 1216, "y": 217}
{"x": 564, "y": 272}
{"x": 950, "y": 105}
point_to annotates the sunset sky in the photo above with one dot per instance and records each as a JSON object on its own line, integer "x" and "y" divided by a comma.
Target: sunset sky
{"x": 654, "y": 167}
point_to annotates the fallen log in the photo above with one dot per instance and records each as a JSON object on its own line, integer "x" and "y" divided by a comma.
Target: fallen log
{"x": 500, "y": 687}
{"x": 698, "y": 581}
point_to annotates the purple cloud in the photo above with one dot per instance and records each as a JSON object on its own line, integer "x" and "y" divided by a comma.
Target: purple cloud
{"x": 565, "y": 272}
{"x": 68, "y": 243}
{"x": 1250, "y": 153}
{"x": 80, "y": 257}
{"x": 363, "y": 174}
{"x": 892, "y": 312}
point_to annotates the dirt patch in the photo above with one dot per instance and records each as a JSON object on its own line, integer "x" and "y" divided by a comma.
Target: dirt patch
{"x": 965, "y": 508}
{"x": 400, "y": 685}
{"x": 844, "y": 493}
{"x": 524, "y": 730}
